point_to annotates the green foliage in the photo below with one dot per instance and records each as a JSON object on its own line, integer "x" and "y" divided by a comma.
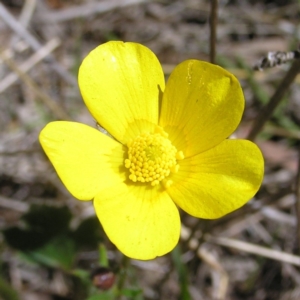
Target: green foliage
{"x": 102, "y": 296}
{"x": 42, "y": 223}
{"x": 46, "y": 223}
{"x": 59, "y": 253}
{"x": 131, "y": 293}
{"x": 6, "y": 291}
{"x": 45, "y": 238}
{"x": 48, "y": 219}
{"x": 103, "y": 259}
{"x": 88, "y": 233}
{"x": 182, "y": 273}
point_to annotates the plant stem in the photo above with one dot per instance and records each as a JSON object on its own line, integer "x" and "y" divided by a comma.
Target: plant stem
{"x": 268, "y": 110}
{"x": 213, "y": 29}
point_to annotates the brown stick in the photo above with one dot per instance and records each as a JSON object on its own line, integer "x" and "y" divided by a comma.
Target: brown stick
{"x": 268, "y": 110}
{"x": 297, "y": 203}
{"x": 57, "y": 110}
{"x": 21, "y": 31}
{"x": 213, "y": 29}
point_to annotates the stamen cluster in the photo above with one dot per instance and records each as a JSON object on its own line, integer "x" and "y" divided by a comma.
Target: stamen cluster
{"x": 151, "y": 158}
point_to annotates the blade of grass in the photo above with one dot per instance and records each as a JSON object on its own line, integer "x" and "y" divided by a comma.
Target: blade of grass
{"x": 103, "y": 260}
{"x": 182, "y": 274}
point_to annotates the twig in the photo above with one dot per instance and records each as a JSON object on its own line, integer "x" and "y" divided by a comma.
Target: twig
{"x": 57, "y": 110}
{"x": 19, "y": 151}
{"x": 29, "y": 63}
{"x": 268, "y": 110}
{"x": 16, "y": 205}
{"x": 27, "y": 12}
{"x": 211, "y": 260}
{"x": 279, "y": 131}
{"x": 213, "y": 29}
{"x": 197, "y": 245}
{"x": 25, "y": 17}
{"x": 85, "y": 10}
{"x": 34, "y": 44}
{"x": 240, "y": 224}
{"x": 297, "y": 203}
{"x": 255, "y": 249}
{"x": 278, "y": 216}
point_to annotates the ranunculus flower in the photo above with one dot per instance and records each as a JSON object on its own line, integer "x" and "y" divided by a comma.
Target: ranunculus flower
{"x": 170, "y": 147}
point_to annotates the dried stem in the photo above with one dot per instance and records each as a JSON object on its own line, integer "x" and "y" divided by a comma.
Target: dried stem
{"x": 13, "y": 204}
{"x": 268, "y": 110}
{"x": 57, "y": 110}
{"x": 297, "y": 203}
{"x": 214, "y": 263}
{"x": 255, "y": 249}
{"x": 86, "y": 10}
{"x": 34, "y": 44}
{"x": 213, "y": 29}
{"x": 11, "y": 78}
{"x": 25, "y": 17}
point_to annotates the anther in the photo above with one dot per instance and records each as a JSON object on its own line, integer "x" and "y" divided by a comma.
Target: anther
{"x": 152, "y": 157}
{"x": 167, "y": 183}
{"x": 179, "y": 155}
{"x": 127, "y": 163}
{"x": 161, "y": 131}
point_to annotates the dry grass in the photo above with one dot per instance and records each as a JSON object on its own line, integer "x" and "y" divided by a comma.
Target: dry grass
{"x": 252, "y": 253}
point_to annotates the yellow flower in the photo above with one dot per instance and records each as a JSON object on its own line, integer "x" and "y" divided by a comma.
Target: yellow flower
{"x": 170, "y": 147}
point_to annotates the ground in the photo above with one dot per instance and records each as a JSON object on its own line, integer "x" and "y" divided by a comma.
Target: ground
{"x": 45, "y": 259}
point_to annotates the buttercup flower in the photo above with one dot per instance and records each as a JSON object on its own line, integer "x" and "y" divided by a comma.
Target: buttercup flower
{"x": 170, "y": 147}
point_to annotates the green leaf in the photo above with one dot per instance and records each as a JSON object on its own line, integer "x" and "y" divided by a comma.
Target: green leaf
{"x": 103, "y": 296}
{"x": 42, "y": 223}
{"x": 6, "y": 291}
{"x": 58, "y": 253}
{"x": 103, "y": 260}
{"x": 48, "y": 219}
{"x": 23, "y": 239}
{"x": 131, "y": 292}
{"x": 88, "y": 233}
{"x": 182, "y": 274}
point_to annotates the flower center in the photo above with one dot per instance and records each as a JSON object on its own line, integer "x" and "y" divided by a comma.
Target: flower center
{"x": 152, "y": 157}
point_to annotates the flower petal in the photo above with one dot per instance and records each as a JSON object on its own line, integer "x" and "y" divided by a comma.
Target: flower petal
{"x": 202, "y": 105}
{"x": 121, "y": 84}
{"x": 142, "y": 221}
{"x": 85, "y": 159}
{"x": 219, "y": 180}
